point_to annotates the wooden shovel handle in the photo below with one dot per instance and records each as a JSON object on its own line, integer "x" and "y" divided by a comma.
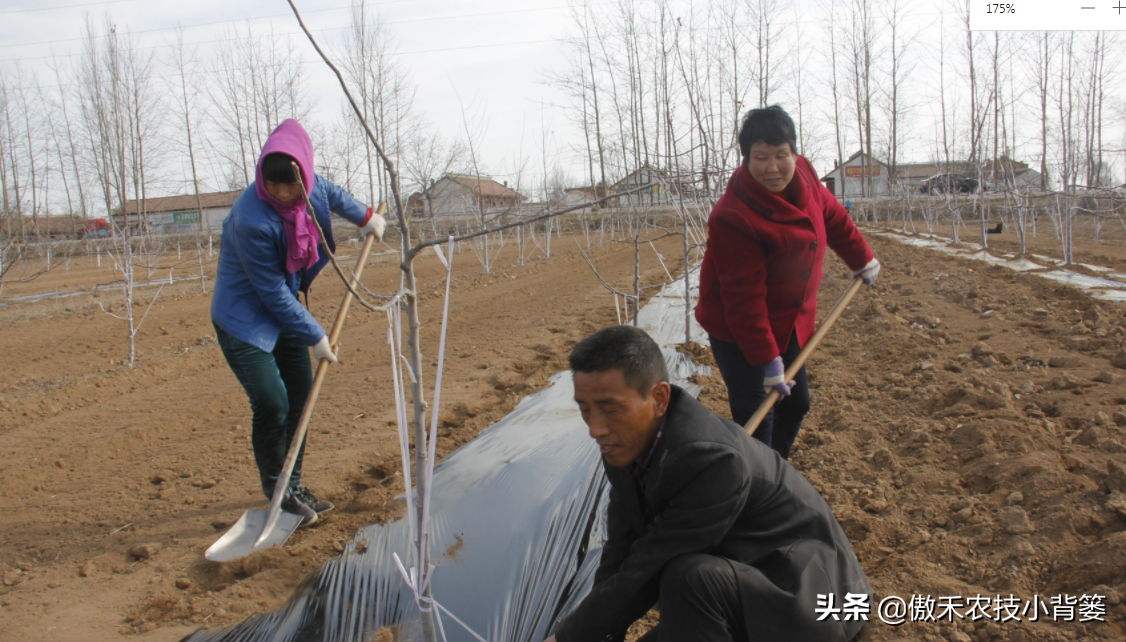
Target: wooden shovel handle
{"x": 810, "y": 346}
{"x": 322, "y": 368}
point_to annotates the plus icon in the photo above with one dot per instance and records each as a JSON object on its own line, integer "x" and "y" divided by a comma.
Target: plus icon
{"x": 1119, "y": 7}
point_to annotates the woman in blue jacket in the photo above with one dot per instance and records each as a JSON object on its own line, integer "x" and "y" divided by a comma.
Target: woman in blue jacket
{"x": 268, "y": 254}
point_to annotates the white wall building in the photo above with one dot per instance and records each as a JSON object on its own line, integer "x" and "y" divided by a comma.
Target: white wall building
{"x": 461, "y": 194}
{"x": 180, "y": 214}
{"x": 850, "y": 180}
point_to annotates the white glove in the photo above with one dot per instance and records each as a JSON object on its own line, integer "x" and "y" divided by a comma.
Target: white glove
{"x": 375, "y": 225}
{"x": 869, "y": 272}
{"x": 322, "y": 350}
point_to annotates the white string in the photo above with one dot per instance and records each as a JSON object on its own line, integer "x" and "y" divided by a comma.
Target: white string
{"x": 411, "y": 578}
{"x": 401, "y": 414}
{"x": 456, "y": 619}
{"x": 424, "y": 603}
{"x": 438, "y": 619}
{"x": 661, "y": 260}
{"x": 438, "y": 251}
{"x": 432, "y": 452}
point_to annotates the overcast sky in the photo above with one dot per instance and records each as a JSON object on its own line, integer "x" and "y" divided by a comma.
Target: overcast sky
{"x": 494, "y": 53}
{"x": 491, "y": 52}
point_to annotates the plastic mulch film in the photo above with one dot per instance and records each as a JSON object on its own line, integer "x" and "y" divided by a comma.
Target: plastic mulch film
{"x": 517, "y": 524}
{"x": 1106, "y": 289}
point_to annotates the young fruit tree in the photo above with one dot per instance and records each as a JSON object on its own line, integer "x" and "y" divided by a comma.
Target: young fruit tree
{"x": 424, "y": 455}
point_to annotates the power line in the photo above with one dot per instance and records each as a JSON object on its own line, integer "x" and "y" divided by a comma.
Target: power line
{"x": 201, "y": 24}
{"x": 345, "y": 28}
{"x": 67, "y": 6}
{"x": 562, "y": 40}
{"x": 211, "y": 73}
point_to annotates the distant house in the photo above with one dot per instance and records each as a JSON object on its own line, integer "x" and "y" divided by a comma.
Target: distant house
{"x": 179, "y": 214}
{"x": 416, "y": 204}
{"x": 459, "y": 194}
{"x": 654, "y": 186}
{"x": 851, "y": 182}
{"x": 43, "y": 226}
{"x": 850, "y": 179}
{"x": 909, "y": 175}
{"x": 579, "y": 195}
{"x": 1006, "y": 172}
{"x": 996, "y": 174}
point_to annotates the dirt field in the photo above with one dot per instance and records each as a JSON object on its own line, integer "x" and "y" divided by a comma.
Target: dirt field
{"x": 1108, "y": 252}
{"x": 958, "y": 463}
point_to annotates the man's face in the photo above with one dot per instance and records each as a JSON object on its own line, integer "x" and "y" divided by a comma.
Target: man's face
{"x": 771, "y": 165}
{"x": 622, "y": 421}
{"x": 287, "y": 193}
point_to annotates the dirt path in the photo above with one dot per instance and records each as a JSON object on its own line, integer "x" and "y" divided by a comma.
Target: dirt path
{"x": 957, "y": 460}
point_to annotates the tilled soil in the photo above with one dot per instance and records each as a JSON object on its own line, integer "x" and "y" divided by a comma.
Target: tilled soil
{"x": 116, "y": 479}
{"x": 959, "y": 461}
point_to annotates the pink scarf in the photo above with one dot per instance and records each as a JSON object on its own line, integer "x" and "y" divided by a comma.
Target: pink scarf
{"x": 301, "y": 235}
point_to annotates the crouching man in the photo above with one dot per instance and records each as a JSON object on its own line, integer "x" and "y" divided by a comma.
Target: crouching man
{"x": 715, "y": 526}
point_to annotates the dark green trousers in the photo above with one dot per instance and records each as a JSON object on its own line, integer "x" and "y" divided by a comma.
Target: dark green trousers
{"x": 277, "y": 384}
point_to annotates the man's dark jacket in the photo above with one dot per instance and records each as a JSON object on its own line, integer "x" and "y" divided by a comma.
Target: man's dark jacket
{"x": 712, "y": 489}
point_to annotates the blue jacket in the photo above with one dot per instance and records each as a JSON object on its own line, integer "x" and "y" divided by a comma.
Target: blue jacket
{"x": 254, "y": 295}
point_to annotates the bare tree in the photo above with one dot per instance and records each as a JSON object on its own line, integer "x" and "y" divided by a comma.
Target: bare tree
{"x": 71, "y": 149}
{"x": 424, "y": 457}
{"x": 426, "y": 158}
{"x": 901, "y": 68}
{"x": 861, "y": 42}
{"x": 766, "y": 32}
{"x": 29, "y": 134}
{"x": 126, "y": 261}
{"x": 1041, "y": 64}
{"x": 373, "y": 69}
{"x": 11, "y": 169}
{"x": 258, "y": 84}
{"x": 182, "y": 62}
{"x": 830, "y": 25}
{"x": 474, "y": 127}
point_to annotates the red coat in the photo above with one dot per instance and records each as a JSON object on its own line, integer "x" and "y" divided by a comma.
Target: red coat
{"x": 762, "y": 266}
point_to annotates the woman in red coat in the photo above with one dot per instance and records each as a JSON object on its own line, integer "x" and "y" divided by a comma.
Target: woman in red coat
{"x": 758, "y": 285}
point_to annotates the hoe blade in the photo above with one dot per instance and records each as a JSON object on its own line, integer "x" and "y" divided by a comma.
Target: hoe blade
{"x": 240, "y": 540}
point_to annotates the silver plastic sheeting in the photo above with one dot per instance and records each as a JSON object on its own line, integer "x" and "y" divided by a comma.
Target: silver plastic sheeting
{"x": 1097, "y": 287}
{"x": 517, "y": 524}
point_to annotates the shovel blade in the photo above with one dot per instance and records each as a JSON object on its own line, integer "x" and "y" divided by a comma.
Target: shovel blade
{"x": 242, "y": 538}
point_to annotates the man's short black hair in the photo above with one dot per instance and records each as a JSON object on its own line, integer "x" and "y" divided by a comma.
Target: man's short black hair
{"x": 277, "y": 168}
{"x": 625, "y": 348}
{"x": 770, "y": 125}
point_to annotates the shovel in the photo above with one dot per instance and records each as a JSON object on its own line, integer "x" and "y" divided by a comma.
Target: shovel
{"x": 259, "y": 529}
{"x": 810, "y": 346}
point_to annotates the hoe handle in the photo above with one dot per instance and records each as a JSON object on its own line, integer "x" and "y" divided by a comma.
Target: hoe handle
{"x": 810, "y": 346}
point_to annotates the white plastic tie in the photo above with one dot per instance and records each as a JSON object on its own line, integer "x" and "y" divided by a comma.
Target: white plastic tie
{"x": 424, "y": 602}
{"x": 432, "y": 452}
{"x": 661, "y": 260}
{"x": 401, "y": 415}
{"x": 438, "y": 251}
